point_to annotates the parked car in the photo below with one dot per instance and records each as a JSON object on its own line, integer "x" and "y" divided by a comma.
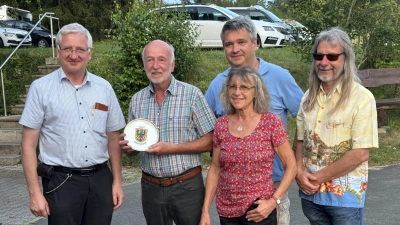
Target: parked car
{"x": 41, "y": 36}
{"x": 259, "y": 13}
{"x": 300, "y": 29}
{"x": 12, "y": 37}
{"x": 209, "y": 20}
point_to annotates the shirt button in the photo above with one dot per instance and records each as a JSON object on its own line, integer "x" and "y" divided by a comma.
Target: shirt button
{"x": 84, "y": 132}
{"x": 322, "y": 107}
{"x": 85, "y": 146}
{"x": 76, "y": 89}
{"x": 319, "y": 121}
{"x": 82, "y": 117}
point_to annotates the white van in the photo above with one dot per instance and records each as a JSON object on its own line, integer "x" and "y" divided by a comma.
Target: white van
{"x": 11, "y": 13}
{"x": 209, "y": 20}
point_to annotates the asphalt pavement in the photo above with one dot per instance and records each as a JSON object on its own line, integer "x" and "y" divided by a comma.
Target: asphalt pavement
{"x": 382, "y": 204}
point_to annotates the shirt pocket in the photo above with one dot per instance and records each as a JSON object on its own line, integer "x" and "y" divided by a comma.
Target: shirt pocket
{"x": 99, "y": 121}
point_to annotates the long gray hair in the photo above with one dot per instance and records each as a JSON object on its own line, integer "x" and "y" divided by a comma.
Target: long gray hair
{"x": 244, "y": 73}
{"x": 334, "y": 36}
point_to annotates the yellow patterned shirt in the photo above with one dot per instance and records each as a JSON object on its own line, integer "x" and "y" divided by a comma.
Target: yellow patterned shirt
{"x": 327, "y": 137}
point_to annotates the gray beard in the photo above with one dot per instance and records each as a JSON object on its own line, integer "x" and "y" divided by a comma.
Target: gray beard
{"x": 328, "y": 79}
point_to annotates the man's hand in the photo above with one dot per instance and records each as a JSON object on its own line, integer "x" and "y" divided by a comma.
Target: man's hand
{"x": 161, "y": 148}
{"x": 304, "y": 180}
{"x": 118, "y": 196}
{"x": 264, "y": 208}
{"x": 39, "y": 206}
{"x": 125, "y": 148}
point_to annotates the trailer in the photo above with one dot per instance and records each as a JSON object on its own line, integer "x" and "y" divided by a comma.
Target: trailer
{"x": 11, "y": 13}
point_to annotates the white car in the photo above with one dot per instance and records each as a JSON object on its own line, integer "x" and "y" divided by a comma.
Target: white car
{"x": 209, "y": 19}
{"x": 12, "y": 37}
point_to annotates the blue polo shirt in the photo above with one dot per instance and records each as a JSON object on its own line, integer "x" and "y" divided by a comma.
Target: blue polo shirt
{"x": 284, "y": 92}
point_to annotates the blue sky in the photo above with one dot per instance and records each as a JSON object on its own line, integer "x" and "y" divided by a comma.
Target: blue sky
{"x": 172, "y": 1}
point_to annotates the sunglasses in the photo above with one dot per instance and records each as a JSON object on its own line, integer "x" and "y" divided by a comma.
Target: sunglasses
{"x": 330, "y": 57}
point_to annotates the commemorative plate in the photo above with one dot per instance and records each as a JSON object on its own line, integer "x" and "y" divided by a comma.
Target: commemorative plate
{"x": 141, "y": 133}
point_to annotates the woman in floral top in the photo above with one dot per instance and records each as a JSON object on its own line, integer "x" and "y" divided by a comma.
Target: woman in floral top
{"x": 244, "y": 144}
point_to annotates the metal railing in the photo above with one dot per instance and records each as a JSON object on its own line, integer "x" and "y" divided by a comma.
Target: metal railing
{"x": 51, "y": 28}
{"x": 12, "y": 53}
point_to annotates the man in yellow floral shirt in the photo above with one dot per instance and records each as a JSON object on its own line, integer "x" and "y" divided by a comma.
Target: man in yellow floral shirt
{"x": 337, "y": 126}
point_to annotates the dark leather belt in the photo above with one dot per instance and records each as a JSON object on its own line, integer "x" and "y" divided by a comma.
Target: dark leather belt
{"x": 84, "y": 172}
{"x": 168, "y": 181}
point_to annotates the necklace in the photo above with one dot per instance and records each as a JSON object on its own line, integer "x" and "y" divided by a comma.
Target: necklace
{"x": 240, "y": 128}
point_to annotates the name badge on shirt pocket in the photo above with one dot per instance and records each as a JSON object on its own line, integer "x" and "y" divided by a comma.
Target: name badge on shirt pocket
{"x": 100, "y": 113}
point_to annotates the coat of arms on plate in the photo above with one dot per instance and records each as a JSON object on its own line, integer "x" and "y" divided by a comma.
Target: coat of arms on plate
{"x": 141, "y": 134}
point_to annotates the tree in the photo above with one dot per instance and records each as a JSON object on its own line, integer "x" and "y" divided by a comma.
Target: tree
{"x": 141, "y": 24}
{"x": 93, "y": 14}
{"x": 372, "y": 24}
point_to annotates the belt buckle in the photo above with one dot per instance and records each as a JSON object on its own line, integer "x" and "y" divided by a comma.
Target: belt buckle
{"x": 87, "y": 172}
{"x": 167, "y": 183}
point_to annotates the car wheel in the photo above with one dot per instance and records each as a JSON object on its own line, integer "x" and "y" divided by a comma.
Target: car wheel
{"x": 1, "y": 43}
{"x": 259, "y": 42}
{"x": 42, "y": 43}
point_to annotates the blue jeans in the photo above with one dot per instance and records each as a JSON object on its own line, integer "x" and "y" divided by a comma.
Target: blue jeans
{"x": 332, "y": 215}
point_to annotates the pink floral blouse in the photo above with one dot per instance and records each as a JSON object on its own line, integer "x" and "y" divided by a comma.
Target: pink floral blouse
{"x": 246, "y": 164}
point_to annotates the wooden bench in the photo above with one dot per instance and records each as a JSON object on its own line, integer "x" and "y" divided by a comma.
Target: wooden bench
{"x": 377, "y": 77}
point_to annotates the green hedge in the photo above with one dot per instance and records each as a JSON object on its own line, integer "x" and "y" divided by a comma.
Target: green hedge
{"x": 18, "y": 71}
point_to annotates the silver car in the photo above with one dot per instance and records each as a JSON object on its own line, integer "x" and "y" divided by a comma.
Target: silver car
{"x": 12, "y": 36}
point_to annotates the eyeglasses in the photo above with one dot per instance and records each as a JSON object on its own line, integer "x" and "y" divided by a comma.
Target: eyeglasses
{"x": 330, "y": 57}
{"x": 242, "y": 88}
{"x": 77, "y": 50}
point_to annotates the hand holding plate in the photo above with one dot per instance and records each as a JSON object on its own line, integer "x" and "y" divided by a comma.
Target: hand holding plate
{"x": 140, "y": 134}
{"x": 161, "y": 148}
{"x": 123, "y": 145}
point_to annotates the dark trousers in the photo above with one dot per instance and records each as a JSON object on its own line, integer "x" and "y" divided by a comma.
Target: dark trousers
{"x": 270, "y": 220}
{"x": 181, "y": 202}
{"x": 80, "y": 200}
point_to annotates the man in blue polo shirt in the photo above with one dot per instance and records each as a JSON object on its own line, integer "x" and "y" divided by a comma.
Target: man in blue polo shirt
{"x": 239, "y": 39}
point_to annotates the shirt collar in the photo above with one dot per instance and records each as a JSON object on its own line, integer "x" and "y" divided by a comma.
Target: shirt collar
{"x": 337, "y": 89}
{"x": 172, "y": 89}
{"x": 62, "y": 76}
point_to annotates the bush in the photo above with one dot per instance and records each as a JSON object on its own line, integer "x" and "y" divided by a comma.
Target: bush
{"x": 136, "y": 28}
{"x": 17, "y": 73}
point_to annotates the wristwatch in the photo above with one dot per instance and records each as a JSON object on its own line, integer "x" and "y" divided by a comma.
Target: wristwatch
{"x": 278, "y": 201}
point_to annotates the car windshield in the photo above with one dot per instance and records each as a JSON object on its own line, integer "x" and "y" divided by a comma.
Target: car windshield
{"x": 229, "y": 12}
{"x": 38, "y": 27}
{"x": 4, "y": 25}
{"x": 271, "y": 15}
